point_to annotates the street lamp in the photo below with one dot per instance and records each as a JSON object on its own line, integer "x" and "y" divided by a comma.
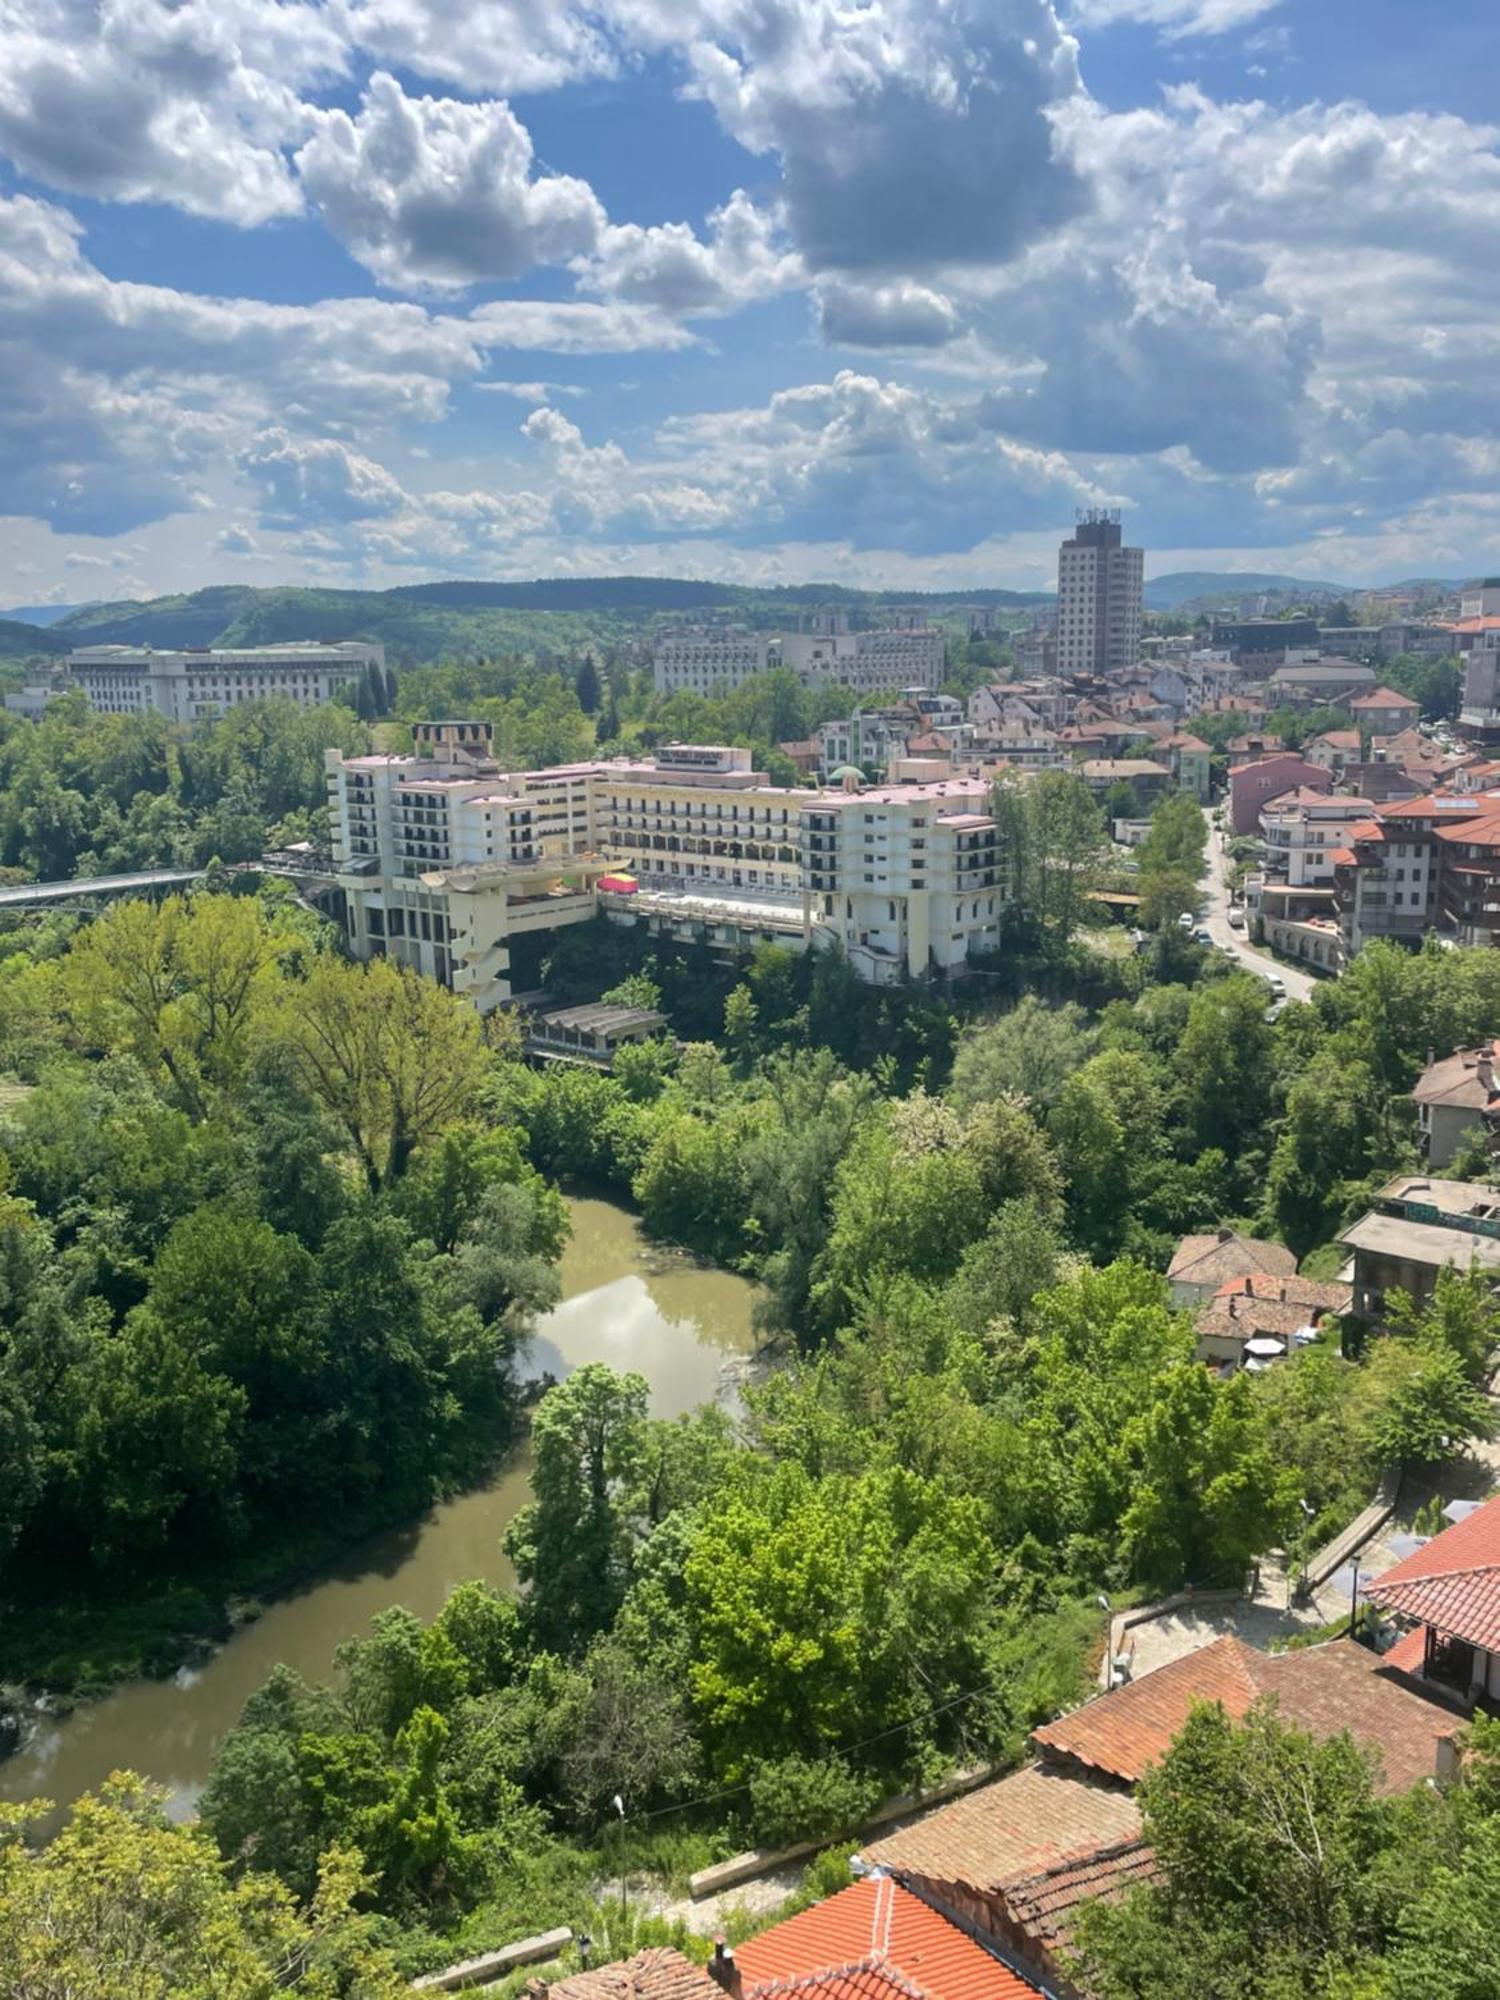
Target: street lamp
{"x": 624, "y": 1905}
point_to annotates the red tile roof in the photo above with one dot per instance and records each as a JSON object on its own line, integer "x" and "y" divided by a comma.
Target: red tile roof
{"x": 1383, "y": 697}
{"x": 875, "y": 1941}
{"x": 1323, "y": 1689}
{"x": 1409, "y": 1653}
{"x": 656, "y": 1974}
{"x": 1453, "y": 1583}
{"x": 1020, "y": 1826}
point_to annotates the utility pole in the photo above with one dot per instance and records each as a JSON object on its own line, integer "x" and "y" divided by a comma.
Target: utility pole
{"x": 624, "y": 1904}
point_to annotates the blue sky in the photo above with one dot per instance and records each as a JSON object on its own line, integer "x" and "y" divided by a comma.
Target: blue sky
{"x": 369, "y": 291}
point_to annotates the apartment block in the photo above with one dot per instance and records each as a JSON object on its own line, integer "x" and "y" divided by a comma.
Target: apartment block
{"x": 1303, "y": 831}
{"x": 444, "y": 859}
{"x": 186, "y": 686}
{"x": 1099, "y": 589}
{"x": 708, "y": 661}
{"x": 900, "y": 656}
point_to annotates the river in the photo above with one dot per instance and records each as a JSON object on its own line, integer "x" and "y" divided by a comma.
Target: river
{"x": 673, "y": 1321}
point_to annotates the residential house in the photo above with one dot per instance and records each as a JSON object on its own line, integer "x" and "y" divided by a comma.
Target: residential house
{"x": 1253, "y": 785}
{"x": 658, "y": 1973}
{"x": 805, "y": 756}
{"x": 1333, "y": 749}
{"x": 1302, "y": 830}
{"x": 1146, "y": 778}
{"x": 1456, "y": 1098}
{"x": 1428, "y": 864}
{"x": 1447, "y": 1595}
{"x": 1190, "y": 760}
{"x": 1312, "y": 683}
{"x": 1201, "y": 1264}
{"x": 1250, "y": 749}
{"x": 1417, "y": 1227}
{"x": 1018, "y": 1858}
{"x": 1384, "y": 712}
{"x": 1267, "y": 1309}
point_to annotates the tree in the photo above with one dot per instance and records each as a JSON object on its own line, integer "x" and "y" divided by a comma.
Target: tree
{"x": 587, "y": 685}
{"x": 1267, "y": 1843}
{"x": 1030, "y": 1052}
{"x": 391, "y": 1056}
{"x": 1427, "y": 1406}
{"x": 122, "y": 1901}
{"x": 1051, "y": 845}
{"x": 573, "y": 1544}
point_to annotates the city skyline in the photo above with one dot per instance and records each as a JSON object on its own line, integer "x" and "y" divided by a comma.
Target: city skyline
{"x": 375, "y": 292}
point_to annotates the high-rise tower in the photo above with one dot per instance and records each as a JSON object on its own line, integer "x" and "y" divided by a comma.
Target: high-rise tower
{"x": 1098, "y": 597}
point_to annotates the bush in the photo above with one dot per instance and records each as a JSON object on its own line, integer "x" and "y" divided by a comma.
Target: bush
{"x": 802, "y": 1798}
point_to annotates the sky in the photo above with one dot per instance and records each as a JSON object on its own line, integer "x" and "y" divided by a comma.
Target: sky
{"x": 364, "y": 292}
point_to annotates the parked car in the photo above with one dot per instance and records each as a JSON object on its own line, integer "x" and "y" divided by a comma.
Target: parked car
{"x": 1203, "y": 935}
{"x": 1185, "y": 921}
{"x": 1277, "y": 984}
{"x": 1236, "y": 920}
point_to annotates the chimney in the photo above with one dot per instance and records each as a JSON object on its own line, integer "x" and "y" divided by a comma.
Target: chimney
{"x": 723, "y": 1971}
{"x": 1448, "y": 1763}
{"x": 1226, "y": 1235}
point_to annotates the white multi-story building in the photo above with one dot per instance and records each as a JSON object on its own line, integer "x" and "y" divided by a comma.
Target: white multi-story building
{"x": 1303, "y": 830}
{"x": 906, "y": 877}
{"x": 444, "y": 860}
{"x": 1099, "y": 592}
{"x": 708, "y": 661}
{"x": 188, "y": 685}
{"x": 902, "y": 656}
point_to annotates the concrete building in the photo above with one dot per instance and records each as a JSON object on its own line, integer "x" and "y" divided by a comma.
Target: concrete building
{"x": 693, "y": 659}
{"x": 1479, "y": 715}
{"x": 1303, "y": 830}
{"x": 1416, "y": 1228}
{"x": 1457, "y": 1098}
{"x": 1248, "y": 638}
{"x": 1253, "y": 786}
{"x": 898, "y": 657}
{"x": 445, "y": 861}
{"x": 1316, "y": 682}
{"x": 186, "y": 686}
{"x": 1099, "y": 588}
{"x": 1384, "y": 712}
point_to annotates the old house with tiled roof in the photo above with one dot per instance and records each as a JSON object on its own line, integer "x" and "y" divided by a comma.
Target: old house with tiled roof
{"x": 1200, "y": 1264}
{"x": 1447, "y": 1594}
{"x": 1249, "y": 1319}
{"x": 658, "y": 1973}
{"x": 1457, "y": 1097}
{"x": 1018, "y": 1858}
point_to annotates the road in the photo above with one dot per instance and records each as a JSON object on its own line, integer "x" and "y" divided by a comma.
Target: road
{"x": 1215, "y": 895}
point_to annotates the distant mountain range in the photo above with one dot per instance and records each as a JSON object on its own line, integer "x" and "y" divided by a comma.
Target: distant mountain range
{"x": 38, "y": 614}
{"x": 1186, "y": 586}
{"x": 432, "y": 621}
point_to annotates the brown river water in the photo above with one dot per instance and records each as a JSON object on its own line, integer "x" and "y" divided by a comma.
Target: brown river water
{"x": 673, "y": 1321}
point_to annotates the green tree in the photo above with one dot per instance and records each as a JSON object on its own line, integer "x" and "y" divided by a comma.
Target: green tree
{"x": 1031, "y": 1051}
{"x": 573, "y": 1545}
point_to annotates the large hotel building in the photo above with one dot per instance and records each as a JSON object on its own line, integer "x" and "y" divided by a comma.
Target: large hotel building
{"x": 445, "y": 861}
{"x": 186, "y": 686}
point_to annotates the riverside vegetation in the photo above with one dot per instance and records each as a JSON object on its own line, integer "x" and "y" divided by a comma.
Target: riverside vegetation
{"x": 273, "y": 1224}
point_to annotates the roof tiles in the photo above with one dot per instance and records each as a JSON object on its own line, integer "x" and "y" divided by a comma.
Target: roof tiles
{"x": 659, "y": 1973}
{"x": 874, "y": 1941}
{"x": 1453, "y": 1583}
{"x": 1034, "y": 1820}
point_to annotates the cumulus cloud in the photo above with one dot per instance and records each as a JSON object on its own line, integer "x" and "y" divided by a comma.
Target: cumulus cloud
{"x": 743, "y": 257}
{"x": 431, "y": 191}
{"x": 897, "y": 315}
{"x": 1176, "y": 18}
{"x": 316, "y": 479}
{"x": 190, "y": 103}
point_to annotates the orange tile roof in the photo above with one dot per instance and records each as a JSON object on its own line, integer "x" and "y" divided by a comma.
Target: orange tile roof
{"x": 1409, "y": 1653}
{"x": 1383, "y": 697}
{"x": 1323, "y": 1689}
{"x": 1453, "y": 1583}
{"x": 1035, "y": 1819}
{"x": 659, "y": 1973}
{"x": 874, "y": 1941}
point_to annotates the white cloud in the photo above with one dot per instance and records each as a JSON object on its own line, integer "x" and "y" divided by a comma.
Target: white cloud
{"x": 429, "y": 191}
{"x": 1175, "y": 18}
{"x": 145, "y": 100}
{"x": 505, "y": 45}
{"x": 305, "y": 480}
{"x": 670, "y": 268}
{"x": 573, "y": 326}
{"x": 898, "y": 315}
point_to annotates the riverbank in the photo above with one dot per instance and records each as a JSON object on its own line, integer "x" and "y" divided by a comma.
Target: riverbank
{"x": 176, "y": 1663}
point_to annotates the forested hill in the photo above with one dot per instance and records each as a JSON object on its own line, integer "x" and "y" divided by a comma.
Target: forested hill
{"x": 19, "y": 641}
{"x": 466, "y": 620}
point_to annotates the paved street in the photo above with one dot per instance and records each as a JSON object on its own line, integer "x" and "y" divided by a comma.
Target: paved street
{"x": 1299, "y": 985}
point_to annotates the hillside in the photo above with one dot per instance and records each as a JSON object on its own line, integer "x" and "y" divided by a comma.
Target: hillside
{"x": 459, "y": 620}
{"x": 1188, "y": 586}
{"x": 39, "y": 614}
{"x": 19, "y": 641}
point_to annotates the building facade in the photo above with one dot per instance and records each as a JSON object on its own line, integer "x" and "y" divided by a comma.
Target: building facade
{"x": 187, "y": 686}
{"x": 1099, "y": 592}
{"x": 897, "y": 657}
{"x": 697, "y": 660}
{"x": 444, "y": 860}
